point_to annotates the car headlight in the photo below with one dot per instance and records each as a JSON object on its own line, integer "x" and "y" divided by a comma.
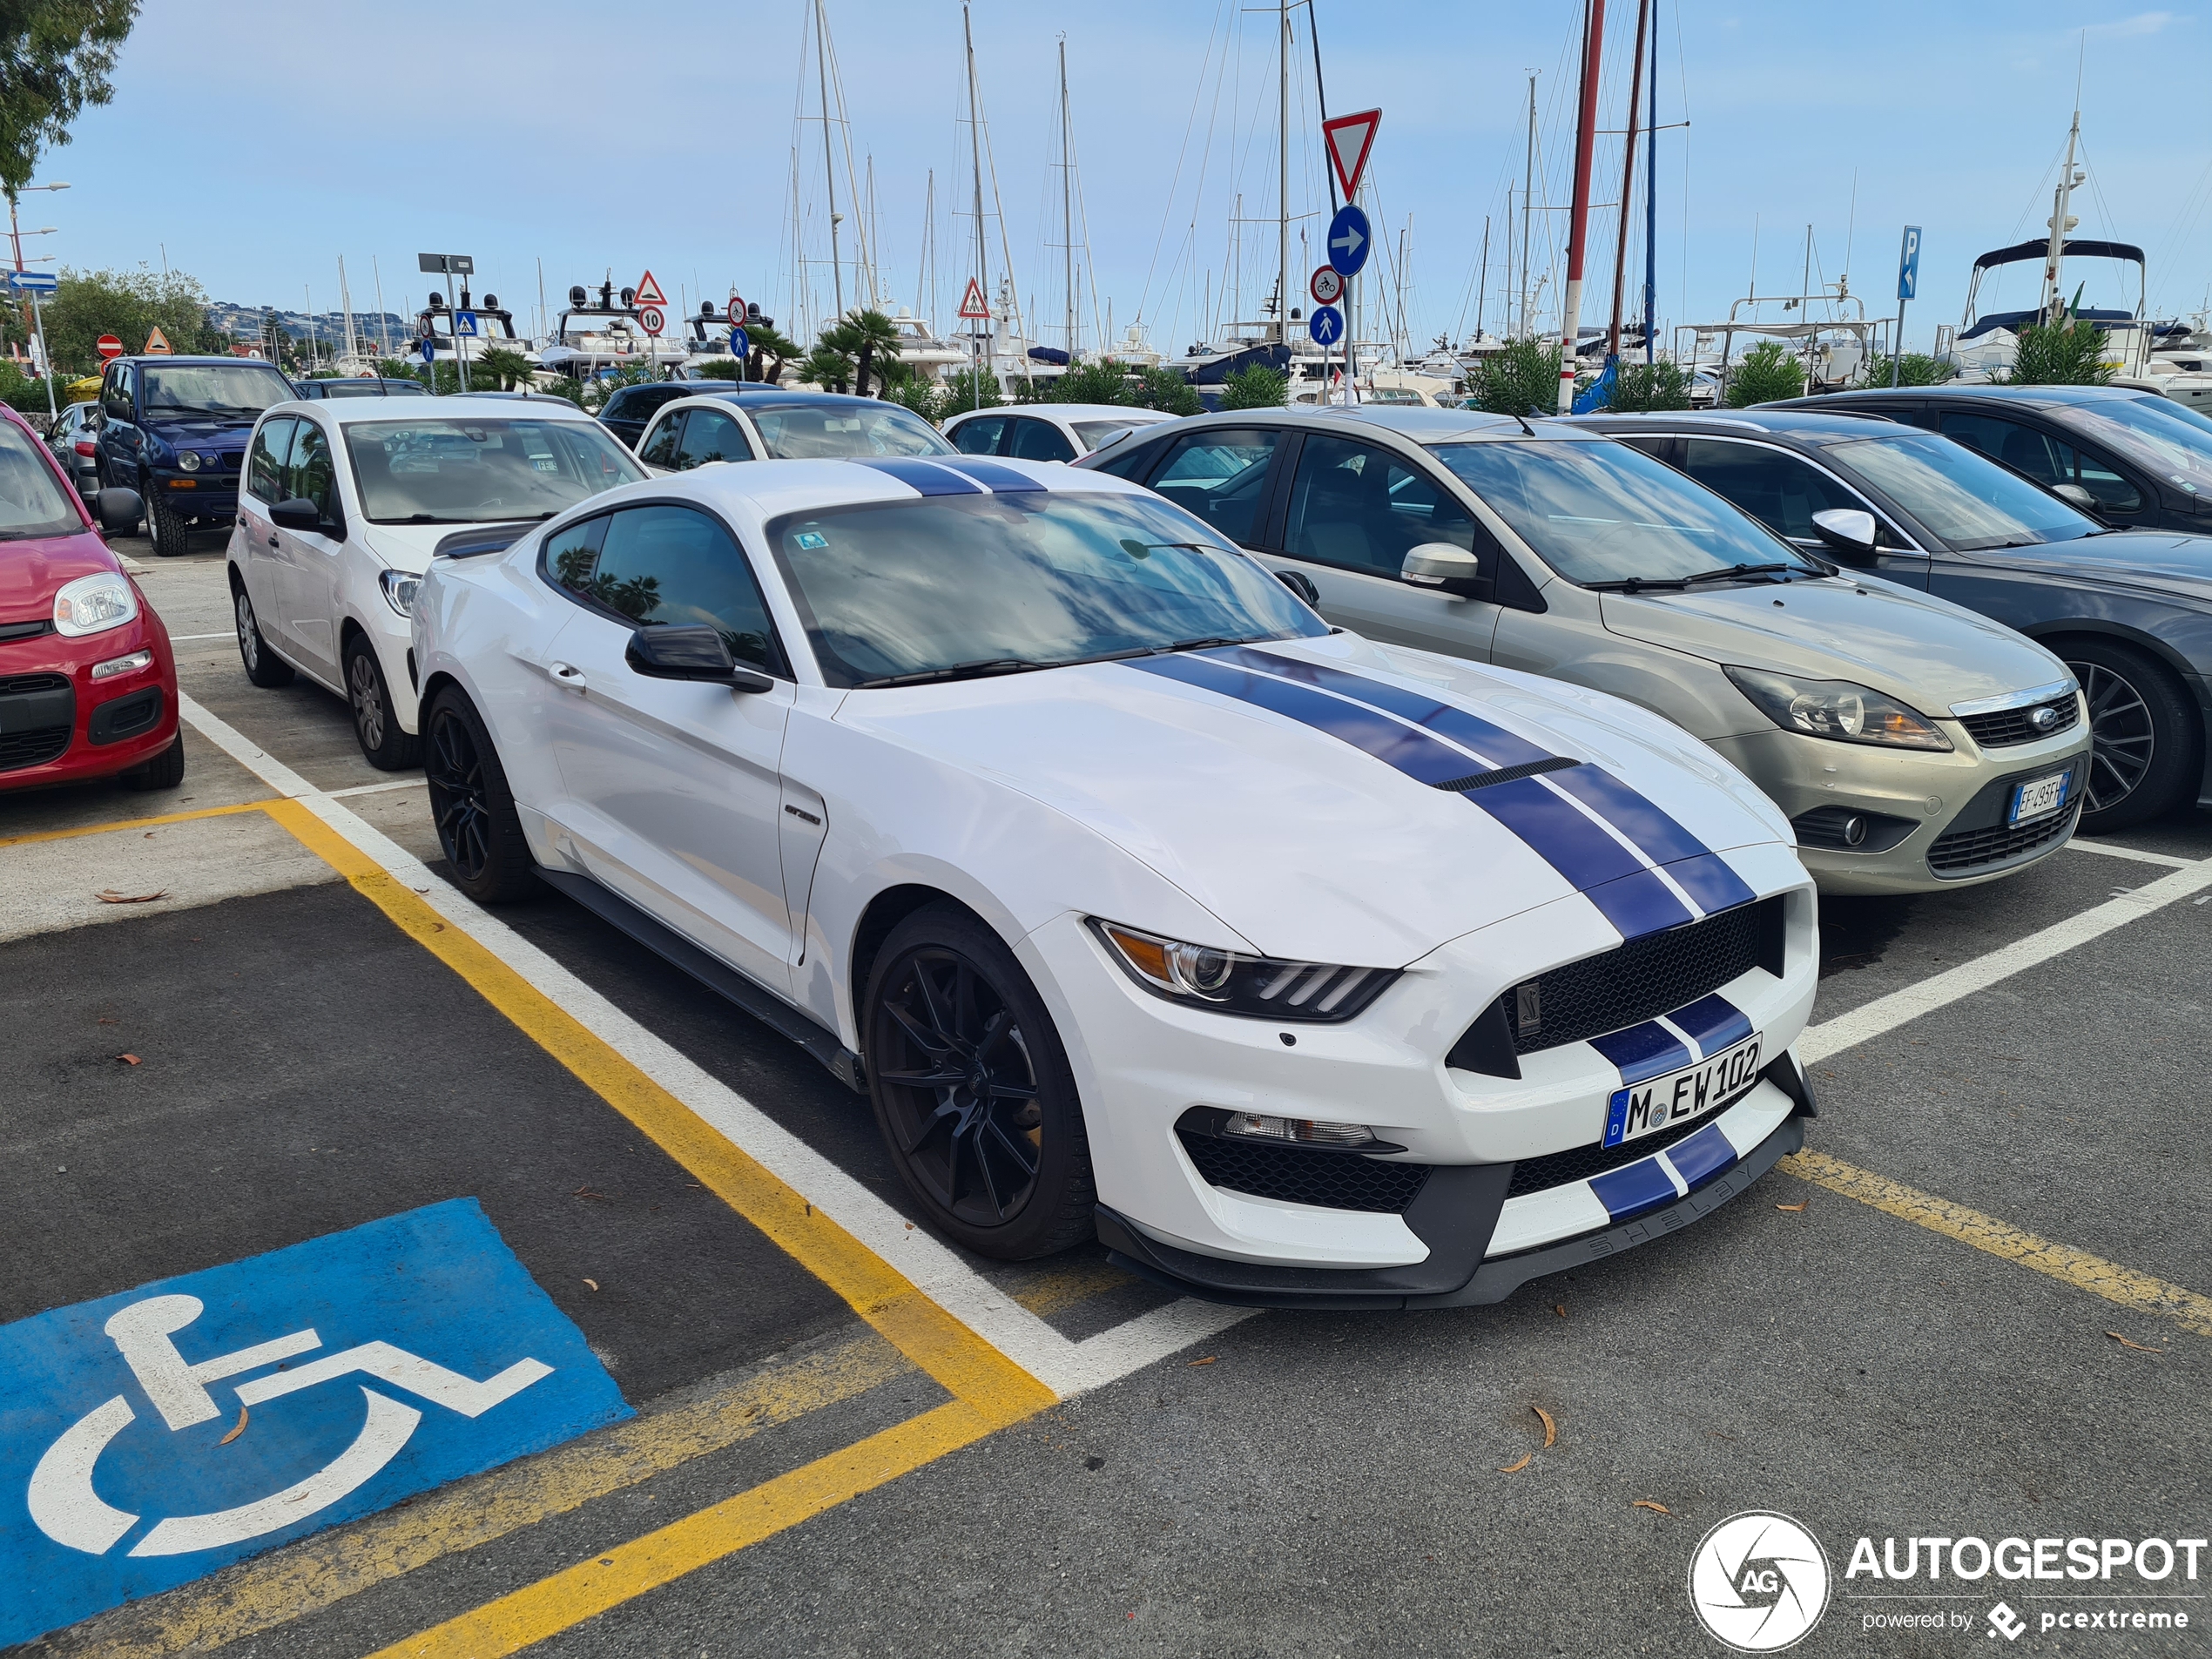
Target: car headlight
{"x": 400, "y": 589}
{"x": 1836, "y": 709}
{"x": 188, "y": 461}
{"x": 94, "y": 603}
{"x": 1261, "y": 987}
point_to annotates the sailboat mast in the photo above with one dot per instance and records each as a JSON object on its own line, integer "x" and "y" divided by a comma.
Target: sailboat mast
{"x": 2054, "y": 295}
{"x": 1066, "y": 206}
{"x": 346, "y": 309}
{"x": 976, "y": 154}
{"x": 1651, "y": 207}
{"x": 1482, "y": 282}
{"x": 1282, "y": 178}
{"x": 1527, "y": 195}
{"x": 1578, "y": 228}
{"x": 1627, "y": 180}
{"x": 829, "y": 169}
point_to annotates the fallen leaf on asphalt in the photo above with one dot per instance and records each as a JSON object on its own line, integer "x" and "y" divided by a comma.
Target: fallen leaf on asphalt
{"x": 236, "y": 1431}
{"x": 1794, "y": 1208}
{"x": 1551, "y": 1429}
{"x": 586, "y": 1192}
{"x": 128, "y": 1059}
{"x": 1560, "y": 1308}
{"x": 1527, "y": 1458}
{"x": 108, "y": 895}
{"x": 1646, "y": 1503}
{"x": 593, "y": 1283}
{"x": 106, "y": 1021}
{"x": 2138, "y": 1347}
{"x": 1208, "y": 1360}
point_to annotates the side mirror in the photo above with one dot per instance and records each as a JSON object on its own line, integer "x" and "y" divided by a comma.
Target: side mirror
{"x": 1452, "y": 569}
{"x": 2075, "y": 496}
{"x": 690, "y": 651}
{"x": 1849, "y": 532}
{"x": 119, "y": 509}
{"x": 1302, "y": 584}
{"x": 297, "y": 515}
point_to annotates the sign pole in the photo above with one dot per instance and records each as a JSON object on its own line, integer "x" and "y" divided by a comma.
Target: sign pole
{"x": 38, "y": 314}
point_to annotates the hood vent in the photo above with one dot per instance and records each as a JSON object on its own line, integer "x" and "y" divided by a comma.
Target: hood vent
{"x": 1504, "y": 774}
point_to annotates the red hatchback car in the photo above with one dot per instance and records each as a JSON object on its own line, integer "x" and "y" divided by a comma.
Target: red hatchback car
{"x": 87, "y": 684}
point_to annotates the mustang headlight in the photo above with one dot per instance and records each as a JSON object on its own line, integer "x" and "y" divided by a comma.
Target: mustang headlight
{"x": 1836, "y": 709}
{"x": 400, "y": 589}
{"x": 1261, "y": 987}
{"x": 94, "y": 603}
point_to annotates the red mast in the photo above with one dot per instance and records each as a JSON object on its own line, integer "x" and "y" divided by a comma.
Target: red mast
{"x": 1578, "y": 220}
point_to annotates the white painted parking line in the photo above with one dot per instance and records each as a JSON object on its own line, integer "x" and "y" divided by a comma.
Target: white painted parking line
{"x": 187, "y": 639}
{"x": 1885, "y": 1014}
{"x": 1063, "y": 1365}
{"x": 373, "y": 789}
{"x": 2112, "y": 852}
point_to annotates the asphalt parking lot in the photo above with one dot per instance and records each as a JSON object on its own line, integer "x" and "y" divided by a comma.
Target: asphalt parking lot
{"x": 1979, "y": 1304}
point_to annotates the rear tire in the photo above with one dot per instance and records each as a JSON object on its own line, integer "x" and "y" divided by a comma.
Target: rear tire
{"x": 167, "y": 527}
{"x": 478, "y": 827}
{"x": 376, "y": 723}
{"x": 973, "y": 1091}
{"x": 165, "y": 771}
{"x": 2149, "y": 743}
{"x": 263, "y": 666}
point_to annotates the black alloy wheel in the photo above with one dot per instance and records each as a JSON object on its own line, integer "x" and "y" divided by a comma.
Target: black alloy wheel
{"x": 2126, "y": 744}
{"x": 384, "y": 745}
{"x": 478, "y": 829}
{"x": 2146, "y": 734}
{"x": 972, "y": 1088}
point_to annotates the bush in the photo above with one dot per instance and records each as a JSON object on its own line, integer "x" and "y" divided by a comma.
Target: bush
{"x": 1913, "y": 369}
{"x": 23, "y": 394}
{"x": 566, "y": 387}
{"x": 972, "y": 388}
{"x": 1168, "y": 392}
{"x": 1769, "y": 371}
{"x": 1098, "y": 382}
{"x": 1523, "y": 378}
{"x": 2063, "y": 353}
{"x": 925, "y": 398}
{"x": 723, "y": 370}
{"x": 1641, "y": 387}
{"x": 398, "y": 369}
{"x": 1257, "y": 388}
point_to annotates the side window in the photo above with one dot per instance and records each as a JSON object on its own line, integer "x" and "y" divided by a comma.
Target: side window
{"x": 2049, "y": 461}
{"x": 979, "y": 436}
{"x": 266, "y": 464}
{"x": 115, "y": 398}
{"x": 310, "y": 476}
{"x": 1779, "y": 490}
{"x": 572, "y": 556}
{"x": 1221, "y": 476}
{"x": 1658, "y": 446}
{"x": 1036, "y": 440}
{"x": 660, "y": 565}
{"x": 1132, "y": 458}
{"x": 710, "y": 435}
{"x": 1363, "y": 509}
{"x": 659, "y": 448}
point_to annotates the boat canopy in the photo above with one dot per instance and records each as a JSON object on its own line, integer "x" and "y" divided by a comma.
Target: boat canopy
{"x": 2015, "y": 321}
{"x": 2023, "y": 252}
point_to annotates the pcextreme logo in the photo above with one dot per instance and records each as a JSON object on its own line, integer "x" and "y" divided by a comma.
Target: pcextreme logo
{"x": 1758, "y": 1582}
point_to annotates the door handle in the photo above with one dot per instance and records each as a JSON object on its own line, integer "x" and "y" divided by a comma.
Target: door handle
{"x": 566, "y": 674}
{"x": 272, "y": 540}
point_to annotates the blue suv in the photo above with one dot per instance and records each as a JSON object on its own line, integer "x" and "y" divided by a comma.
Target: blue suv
{"x": 174, "y": 429}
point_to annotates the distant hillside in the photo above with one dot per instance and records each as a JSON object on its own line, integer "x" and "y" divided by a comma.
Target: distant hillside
{"x": 244, "y": 322}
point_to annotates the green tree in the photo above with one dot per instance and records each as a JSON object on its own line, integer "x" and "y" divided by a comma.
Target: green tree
{"x": 925, "y": 398}
{"x": 394, "y": 369}
{"x": 55, "y": 56}
{"x": 1255, "y": 388}
{"x": 129, "y": 305}
{"x": 972, "y": 388}
{"x": 1523, "y": 378}
{"x": 870, "y": 339}
{"x": 1638, "y": 387}
{"x": 566, "y": 387}
{"x": 1092, "y": 383}
{"x": 2059, "y": 353}
{"x": 1165, "y": 390}
{"x": 1769, "y": 371}
{"x": 828, "y": 367}
{"x": 723, "y": 368}
{"x": 1913, "y": 369}
{"x": 23, "y": 394}
{"x": 771, "y": 351}
{"x": 500, "y": 369}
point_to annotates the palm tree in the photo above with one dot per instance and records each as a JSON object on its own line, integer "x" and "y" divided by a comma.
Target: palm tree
{"x": 771, "y": 351}
{"x": 511, "y": 370}
{"x": 874, "y": 336}
{"x": 826, "y": 366}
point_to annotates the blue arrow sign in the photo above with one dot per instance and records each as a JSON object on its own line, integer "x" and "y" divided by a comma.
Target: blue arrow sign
{"x": 464, "y": 323}
{"x": 1908, "y": 263}
{"x": 1325, "y": 325}
{"x": 1350, "y": 238}
{"x": 33, "y": 281}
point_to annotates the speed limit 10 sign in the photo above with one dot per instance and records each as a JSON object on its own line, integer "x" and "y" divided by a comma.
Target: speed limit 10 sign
{"x": 1327, "y": 287}
{"x": 651, "y": 319}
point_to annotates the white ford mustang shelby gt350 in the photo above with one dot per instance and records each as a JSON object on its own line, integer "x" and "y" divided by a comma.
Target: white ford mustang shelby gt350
{"x": 1307, "y": 972}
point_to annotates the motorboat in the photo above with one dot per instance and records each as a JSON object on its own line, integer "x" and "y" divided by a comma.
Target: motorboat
{"x": 605, "y": 333}
{"x": 433, "y": 326}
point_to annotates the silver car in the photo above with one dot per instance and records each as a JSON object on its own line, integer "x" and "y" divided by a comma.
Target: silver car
{"x": 1913, "y": 744}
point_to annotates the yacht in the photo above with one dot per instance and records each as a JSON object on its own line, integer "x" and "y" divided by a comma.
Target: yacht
{"x": 495, "y": 330}
{"x": 590, "y": 336}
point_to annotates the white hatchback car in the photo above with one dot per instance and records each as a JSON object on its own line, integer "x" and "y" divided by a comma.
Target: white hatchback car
{"x": 1047, "y": 431}
{"x": 1305, "y": 970}
{"x": 770, "y": 423}
{"x": 344, "y": 503}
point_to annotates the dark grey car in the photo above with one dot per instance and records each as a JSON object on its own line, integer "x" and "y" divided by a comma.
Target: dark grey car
{"x": 2129, "y": 611}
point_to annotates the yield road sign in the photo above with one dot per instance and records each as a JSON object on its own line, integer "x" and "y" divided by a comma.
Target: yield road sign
{"x": 1325, "y": 325}
{"x": 109, "y": 346}
{"x": 651, "y": 319}
{"x": 1351, "y": 137}
{"x": 1350, "y": 239}
{"x": 649, "y": 293}
{"x": 973, "y": 305}
{"x": 1908, "y": 263}
{"x": 464, "y": 325}
{"x": 156, "y": 344}
{"x": 1326, "y": 286}
{"x": 735, "y": 310}
{"x": 33, "y": 281}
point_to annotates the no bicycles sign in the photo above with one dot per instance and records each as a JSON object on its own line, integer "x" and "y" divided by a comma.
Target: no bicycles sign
{"x": 150, "y": 1438}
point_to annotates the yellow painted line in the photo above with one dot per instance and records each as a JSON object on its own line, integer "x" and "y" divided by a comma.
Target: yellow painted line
{"x": 320, "y": 1571}
{"x": 1070, "y": 1285}
{"x": 536, "y": 1611}
{"x": 2115, "y": 1283}
{"x": 133, "y": 823}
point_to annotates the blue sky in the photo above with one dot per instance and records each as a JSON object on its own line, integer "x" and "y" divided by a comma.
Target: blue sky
{"x": 253, "y": 144}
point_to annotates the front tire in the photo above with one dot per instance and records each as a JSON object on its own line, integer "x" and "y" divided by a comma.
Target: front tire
{"x": 478, "y": 827}
{"x": 973, "y": 1091}
{"x": 165, "y": 771}
{"x": 376, "y": 723}
{"x": 263, "y": 666}
{"x": 167, "y": 527}
{"x": 2148, "y": 742}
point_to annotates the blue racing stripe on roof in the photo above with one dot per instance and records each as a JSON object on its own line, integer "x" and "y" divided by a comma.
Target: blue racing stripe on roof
{"x": 1642, "y": 1052}
{"x": 989, "y": 473}
{"x": 1632, "y": 1191}
{"x": 1701, "y": 1156}
{"x": 926, "y": 476}
{"x": 1713, "y": 1023}
{"x": 1709, "y": 879}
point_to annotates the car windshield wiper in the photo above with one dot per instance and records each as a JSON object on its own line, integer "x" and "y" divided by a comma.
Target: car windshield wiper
{"x": 1638, "y": 584}
{"x": 1733, "y": 571}
{"x": 1200, "y": 644}
{"x": 977, "y": 670}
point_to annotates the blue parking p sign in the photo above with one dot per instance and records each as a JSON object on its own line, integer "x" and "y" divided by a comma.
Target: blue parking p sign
{"x": 1908, "y": 263}
{"x": 148, "y": 1438}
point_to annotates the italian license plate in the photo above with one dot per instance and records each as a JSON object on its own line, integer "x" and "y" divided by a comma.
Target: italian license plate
{"x": 1646, "y": 1108}
{"x": 2039, "y": 797}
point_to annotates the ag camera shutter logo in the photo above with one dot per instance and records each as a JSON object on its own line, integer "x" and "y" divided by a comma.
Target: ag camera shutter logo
{"x": 1758, "y": 1582}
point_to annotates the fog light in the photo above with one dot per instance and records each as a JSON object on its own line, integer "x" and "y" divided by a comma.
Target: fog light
{"x": 114, "y": 665}
{"x": 1854, "y": 830}
{"x": 1258, "y": 1126}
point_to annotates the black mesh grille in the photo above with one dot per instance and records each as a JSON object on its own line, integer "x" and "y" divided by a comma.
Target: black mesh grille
{"x": 1297, "y": 1175}
{"x": 32, "y": 748}
{"x": 11, "y": 684}
{"x": 1652, "y": 975}
{"x": 1970, "y": 849}
{"x": 2008, "y": 726}
{"x": 1580, "y": 1163}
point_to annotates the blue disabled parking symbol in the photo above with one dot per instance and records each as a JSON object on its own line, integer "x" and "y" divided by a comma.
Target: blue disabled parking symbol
{"x": 150, "y": 1438}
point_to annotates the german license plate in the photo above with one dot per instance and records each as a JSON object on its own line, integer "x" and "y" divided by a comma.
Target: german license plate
{"x": 2039, "y": 797}
{"x": 1646, "y": 1108}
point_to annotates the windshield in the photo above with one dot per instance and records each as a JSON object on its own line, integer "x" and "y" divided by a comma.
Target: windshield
{"x": 33, "y": 500}
{"x": 2163, "y": 438}
{"x": 466, "y": 471}
{"x": 212, "y": 388}
{"x": 1604, "y": 512}
{"x": 373, "y": 388}
{"x": 1966, "y": 500}
{"x": 954, "y": 584}
{"x": 810, "y": 431}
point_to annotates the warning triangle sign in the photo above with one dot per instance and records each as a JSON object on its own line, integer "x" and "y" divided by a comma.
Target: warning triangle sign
{"x": 649, "y": 291}
{"x": 157, "y": 345}
{"x": 973, "y": 305}
{"x": 1351, "y": 137}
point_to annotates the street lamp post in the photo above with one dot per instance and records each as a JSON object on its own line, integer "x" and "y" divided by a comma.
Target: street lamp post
{"x": 34, "y": 318}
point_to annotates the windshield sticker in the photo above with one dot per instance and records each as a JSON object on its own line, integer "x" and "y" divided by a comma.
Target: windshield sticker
{"x": 812, "y": 541}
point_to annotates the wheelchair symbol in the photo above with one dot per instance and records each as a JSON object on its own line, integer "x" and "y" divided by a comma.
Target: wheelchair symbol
{"x": 69, "y": 1512}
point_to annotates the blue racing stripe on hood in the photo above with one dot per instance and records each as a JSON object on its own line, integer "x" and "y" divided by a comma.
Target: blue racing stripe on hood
{"x": 929, "y": 479}
{"x": 990, "y": 472}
